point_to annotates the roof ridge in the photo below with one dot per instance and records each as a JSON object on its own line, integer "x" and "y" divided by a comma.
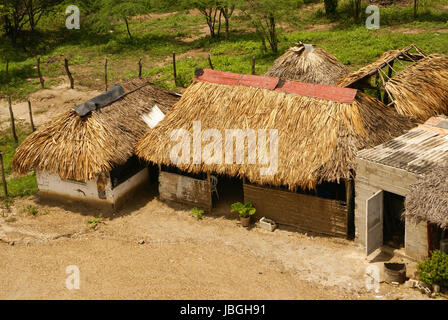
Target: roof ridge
{"x": 319, "y": 91}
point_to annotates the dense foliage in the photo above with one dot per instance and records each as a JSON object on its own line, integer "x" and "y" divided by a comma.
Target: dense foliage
{"x": 434, "y": 270}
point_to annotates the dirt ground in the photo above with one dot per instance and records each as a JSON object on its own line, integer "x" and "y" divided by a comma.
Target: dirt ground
{"x": 45, "y": 104}
{"x": 156, "y": 250}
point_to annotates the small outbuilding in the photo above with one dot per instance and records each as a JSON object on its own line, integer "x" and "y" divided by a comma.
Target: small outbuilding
{"x": 392, "y": 206}
{"x": 87, "y": 153}
{"x": 308, "y": 63}
{"x": 413, "y": 83}
{"x": 288, "y": 147}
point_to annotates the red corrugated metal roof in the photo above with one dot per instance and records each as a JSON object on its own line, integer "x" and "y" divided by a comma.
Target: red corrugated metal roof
{"x": 320, "y": 91}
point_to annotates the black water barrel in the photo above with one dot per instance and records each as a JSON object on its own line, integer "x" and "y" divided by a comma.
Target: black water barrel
{"x": 394, "y": 272}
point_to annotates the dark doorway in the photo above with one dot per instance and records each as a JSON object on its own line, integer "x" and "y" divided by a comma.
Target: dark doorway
{"x": 229, "y": 190}
{"x": 393, "y": 223}
{"x": 121, "y": 173}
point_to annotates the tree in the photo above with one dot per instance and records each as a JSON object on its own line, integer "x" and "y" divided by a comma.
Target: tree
{"x": 330, "y": 6}
{"x": 15, "y": 15}
{"x": 227, "y": 9}
{"x": 120, "y": 10}
{"x": 36, "y": 8}
{"x": 264, "y": 15}
{"x": 415, "y": 8}
{"x": 356, "y": 4}
{"x": 209, "y": 9}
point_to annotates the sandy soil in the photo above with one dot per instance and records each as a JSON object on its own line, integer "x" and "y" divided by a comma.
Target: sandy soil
{"x": 156, "y": 250}
{"x": 45, "y": 104}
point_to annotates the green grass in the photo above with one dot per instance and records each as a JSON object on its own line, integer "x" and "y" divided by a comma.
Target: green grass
{"x": 17, "y": 186}
{"x": 155, "y": 39}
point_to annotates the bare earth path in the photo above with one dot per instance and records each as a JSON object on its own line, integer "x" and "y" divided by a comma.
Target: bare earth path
{"x": 181, "y": 257}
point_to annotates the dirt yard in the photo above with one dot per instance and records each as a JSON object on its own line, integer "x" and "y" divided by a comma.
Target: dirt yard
{"x": 45, "y": 104}
{"x": 156, "y": 250}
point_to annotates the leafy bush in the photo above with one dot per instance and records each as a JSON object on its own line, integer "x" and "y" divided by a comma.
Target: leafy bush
{"x": 434, "y": 270}
{"x": 31, "y": 210}
{"x": 244, "y": 210}
{"x": 198, "y": 213}
{"x": 93, "y": 223}
{"x": 330, "y": 6}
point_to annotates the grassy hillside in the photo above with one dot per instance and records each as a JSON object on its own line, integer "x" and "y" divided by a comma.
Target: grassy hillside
{"x": 157, "y": 35}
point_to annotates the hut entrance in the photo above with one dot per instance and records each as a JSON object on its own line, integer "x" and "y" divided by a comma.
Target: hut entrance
{"x": 121, "y": 173}
{"x": 393, "y": 223}
{"x": 385, "y": 225}
{"x": 225, "y": 191}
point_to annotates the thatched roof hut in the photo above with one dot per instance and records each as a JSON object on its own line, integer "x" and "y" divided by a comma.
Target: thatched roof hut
{"x": 359, "y": 77}
{"x": 306, "y": 63}
{"x": 428, "y": 198}
{"x": 350, "y": 80}
{"x": 79, "y": 148}
{"x": 320, "y": 128}
{"x": 421, "y": 90}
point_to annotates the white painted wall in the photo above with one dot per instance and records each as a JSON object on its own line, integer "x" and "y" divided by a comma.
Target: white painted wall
{"x": 52, "y": 183}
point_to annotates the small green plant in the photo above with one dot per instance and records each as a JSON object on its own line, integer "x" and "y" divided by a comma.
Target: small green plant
{"x": 198, "y": 213}
{"x": 31, "y": 210}
{"x": 434, "y": 270}
{"x": 93, "y": 223}
{"x": 8, "y": 202}
{"x": 244, "y": 210}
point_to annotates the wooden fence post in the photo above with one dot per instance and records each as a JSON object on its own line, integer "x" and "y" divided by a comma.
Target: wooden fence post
{"x": 72, "y": 83}
{"x": 210, "y": 62}
{"x": 13, "y": 126}
{"x": 31, "y": 116}
{"x": 5, "y": 188}
{"x": 6, "y": 75}
{"x": 105, "y": 73}
{"x": 140, "y": 66}
{"x": 174, "y": 67}
{"x": 253, "y": 65}
{"x": 42, "y": 82}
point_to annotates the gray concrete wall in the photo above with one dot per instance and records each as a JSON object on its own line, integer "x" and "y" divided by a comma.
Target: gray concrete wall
{"x": 372, "y": 177}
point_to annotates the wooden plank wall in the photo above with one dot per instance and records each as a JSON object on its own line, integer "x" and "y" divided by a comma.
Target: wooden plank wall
{"x": 372, "y": 177}
{"x": 303, "y": 212}
{"x": 179, "y": 188}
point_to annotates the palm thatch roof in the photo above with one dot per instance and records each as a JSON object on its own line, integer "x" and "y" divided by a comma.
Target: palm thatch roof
{"x": 428, "y": 198}
{"x": 421, "y": 90}
{"x": 355, "y": 78}
{"x": 307, "y": 63}
{"x": 79, "y": 148}
{"x": 317, "y": 137}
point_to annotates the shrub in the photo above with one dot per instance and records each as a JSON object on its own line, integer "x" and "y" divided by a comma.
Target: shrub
{"x": 244, "y": 210}
{"x": 434, "y": 270}
{"x": 31, "y": 210}
{"x": 330, "y": 6}
{"x": 198, "y": 213}
{"x": 93, "y": 223}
